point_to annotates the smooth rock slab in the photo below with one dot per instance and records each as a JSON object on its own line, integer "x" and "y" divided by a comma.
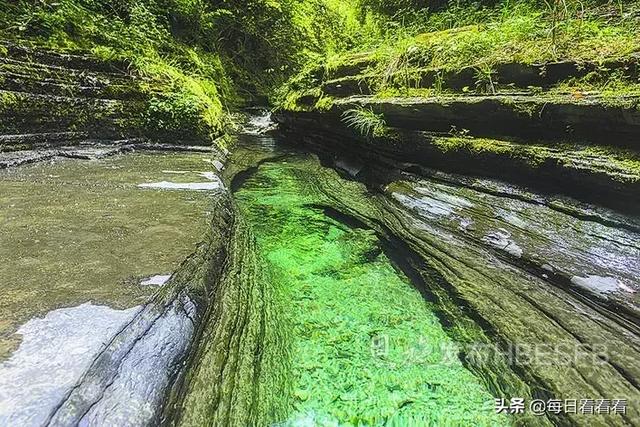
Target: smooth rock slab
{"x": 135, "y": 396}
{"x": 601, "y": 284}
{"x": 55, "y": 352}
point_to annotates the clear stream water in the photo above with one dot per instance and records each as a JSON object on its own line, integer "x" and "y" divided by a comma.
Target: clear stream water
{"x": 366, "y": 347}
{"x": 82, "y": 247}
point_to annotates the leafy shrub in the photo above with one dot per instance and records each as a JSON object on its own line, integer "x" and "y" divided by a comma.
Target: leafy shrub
{"x": 175, "y": 114}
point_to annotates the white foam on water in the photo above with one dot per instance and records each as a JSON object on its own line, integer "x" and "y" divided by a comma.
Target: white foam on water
{"x": 198, "y": 186}
{"x": 213, "y": 184}
{"x": 55, "y": 351}
{"x": 157, "y": 280}
{"x": 259, "y": 124}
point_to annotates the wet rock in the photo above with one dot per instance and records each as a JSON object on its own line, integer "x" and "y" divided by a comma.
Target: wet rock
{"x": 425, "y": 206}
{"x": 504, "y": 76}
{"x": 602, "y": 284}
{"x": 347, "y": 86}
{"x": 36, "y": 113}
{"x": 350, "y": 167}
{"x": 606, "y": 176}
{"x": 19, "y": 158}
{"x": 239, "y": 375}
{"x": 501, "y": 240}
{"x": 44, "y": 92}
{"x": 45, "y": 140}
{"x": 62, "y": 60}
{"x": 64, "y": 342}
{"x": 562, "y": 117}
{"x": 158, "y": 146}
{"x": 136, "y": 394}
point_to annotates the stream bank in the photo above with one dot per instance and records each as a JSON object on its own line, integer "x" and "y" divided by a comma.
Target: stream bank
{"x": 403, "y": 294}
{"x": 121, "y": 249}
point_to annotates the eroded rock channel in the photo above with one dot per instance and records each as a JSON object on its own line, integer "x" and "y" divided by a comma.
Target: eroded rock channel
{"x": 538, "y": 293}
{"x": 302, "y": 284}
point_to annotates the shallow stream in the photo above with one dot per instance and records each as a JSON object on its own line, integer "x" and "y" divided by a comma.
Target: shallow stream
{"x": 366, "y": 347}
{"x": 363, "y": 301}
{"x": 82, "y": 247}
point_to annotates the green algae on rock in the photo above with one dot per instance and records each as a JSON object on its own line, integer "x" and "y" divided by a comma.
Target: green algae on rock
{"x": 237, "y": 374}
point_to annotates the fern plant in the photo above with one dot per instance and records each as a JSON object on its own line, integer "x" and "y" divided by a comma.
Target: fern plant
{"x": 365, "y": 121}
{"x": 484, "y": 75}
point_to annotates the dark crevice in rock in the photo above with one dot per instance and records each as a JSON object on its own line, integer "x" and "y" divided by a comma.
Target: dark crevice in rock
{"x": 606, "y": 185}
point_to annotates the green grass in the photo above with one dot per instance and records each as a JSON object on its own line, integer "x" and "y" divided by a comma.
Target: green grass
{"x": 213, "y": 56}
{"x": 481, "y": 37}
{"x": 186, "y": 86}
{"x": 365, "y": 121}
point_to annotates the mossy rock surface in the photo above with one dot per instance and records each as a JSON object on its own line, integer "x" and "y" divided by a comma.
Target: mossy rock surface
{"x": 44, "y": 90}
{"x": 604, "y": 175}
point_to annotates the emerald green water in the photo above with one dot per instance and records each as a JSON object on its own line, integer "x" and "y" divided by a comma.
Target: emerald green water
{"x": 366, "y": 349}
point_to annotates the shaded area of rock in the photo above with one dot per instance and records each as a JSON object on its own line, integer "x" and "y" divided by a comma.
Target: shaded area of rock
{"x": 603, "y": 175}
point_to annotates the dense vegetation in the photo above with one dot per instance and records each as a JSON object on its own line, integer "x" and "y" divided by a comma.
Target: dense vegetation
{"x": 451, "y": 36}
{"x": 205, "y": 56}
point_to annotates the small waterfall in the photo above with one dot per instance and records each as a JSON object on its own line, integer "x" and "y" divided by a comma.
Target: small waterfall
{"x": 259, "y": 122}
